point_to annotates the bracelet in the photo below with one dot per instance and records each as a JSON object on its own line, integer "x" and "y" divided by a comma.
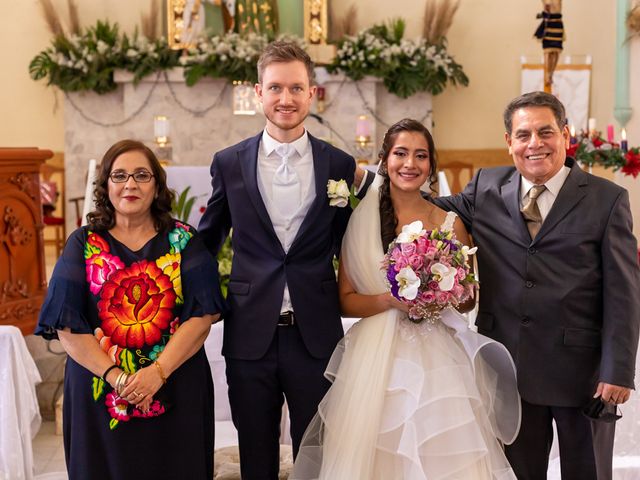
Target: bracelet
{"x": 164, "y": 379}
{"x": 106, "y": 372}
{"x": 121, "y": 381}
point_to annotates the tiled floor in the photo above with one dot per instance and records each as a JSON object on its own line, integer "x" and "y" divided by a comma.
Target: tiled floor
{"x": 48, "y": 454}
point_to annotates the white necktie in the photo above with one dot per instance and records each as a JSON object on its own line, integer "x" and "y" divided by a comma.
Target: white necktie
{"x": 286, "y": 185}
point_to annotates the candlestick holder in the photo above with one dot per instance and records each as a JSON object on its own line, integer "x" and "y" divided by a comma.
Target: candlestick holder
{"x": 162, "y": 149}
{"x": 363, "y": 146}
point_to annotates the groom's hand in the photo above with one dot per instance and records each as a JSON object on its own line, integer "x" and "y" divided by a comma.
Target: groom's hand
{"x": 612, "y": 393}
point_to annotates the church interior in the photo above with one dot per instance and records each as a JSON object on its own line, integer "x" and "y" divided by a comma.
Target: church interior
{"x": 178, "y": 75}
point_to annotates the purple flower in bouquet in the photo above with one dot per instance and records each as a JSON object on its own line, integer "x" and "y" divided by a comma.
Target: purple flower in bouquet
{"x": 429, "y": 270}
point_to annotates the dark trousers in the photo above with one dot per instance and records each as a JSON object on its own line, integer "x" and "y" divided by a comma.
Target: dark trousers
{"x": 257, "y": 389}
{"x": 586, "y": 446}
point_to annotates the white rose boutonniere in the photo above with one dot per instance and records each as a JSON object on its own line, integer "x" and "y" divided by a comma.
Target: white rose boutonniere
{"x": 338, "y": 193}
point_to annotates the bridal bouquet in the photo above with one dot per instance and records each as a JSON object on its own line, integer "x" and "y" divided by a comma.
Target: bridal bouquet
{"x": 429, "y": 270}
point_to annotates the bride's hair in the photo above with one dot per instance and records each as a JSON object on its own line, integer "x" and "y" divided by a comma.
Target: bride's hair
{"x": 388, "y": 219}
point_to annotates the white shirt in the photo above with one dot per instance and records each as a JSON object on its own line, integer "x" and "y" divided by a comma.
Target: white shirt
{"x": 548, "y": 197}
{"x": 302, "y": 162}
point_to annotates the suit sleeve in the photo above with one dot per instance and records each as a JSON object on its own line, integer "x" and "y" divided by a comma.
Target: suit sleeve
{"x": 216, "y": 221}
{"x": 621, "y": 297}
{"x": 462, "y": 203}
{"x": 341, "y": 218}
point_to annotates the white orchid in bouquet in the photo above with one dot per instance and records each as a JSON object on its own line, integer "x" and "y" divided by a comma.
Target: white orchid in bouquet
{"x": 429, "y": 270}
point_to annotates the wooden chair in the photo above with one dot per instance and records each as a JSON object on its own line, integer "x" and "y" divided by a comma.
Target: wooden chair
{"x": 52, "y": 175}
{"x": 458, "y": 174}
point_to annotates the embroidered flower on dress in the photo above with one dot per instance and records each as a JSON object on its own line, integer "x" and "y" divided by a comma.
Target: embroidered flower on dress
{"x": 179, "y": 237}
{"x": 117, "y": 406}
{"x": 170, "y": 265}
{"x": 100, "y": 267}
{"x": 136, "y": 305}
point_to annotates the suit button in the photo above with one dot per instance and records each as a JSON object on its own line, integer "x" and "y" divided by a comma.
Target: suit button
{"x": 532, "y": 250}
{"x": 525, "y": 320}
{"x": 529, "y": 284}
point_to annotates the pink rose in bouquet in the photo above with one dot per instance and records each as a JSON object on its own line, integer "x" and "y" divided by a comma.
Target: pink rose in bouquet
{"x": 429, "y": 270}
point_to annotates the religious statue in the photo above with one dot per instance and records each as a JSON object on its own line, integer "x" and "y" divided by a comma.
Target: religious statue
{"x": 259, "y": 16}
{"x": 551, "y": 32}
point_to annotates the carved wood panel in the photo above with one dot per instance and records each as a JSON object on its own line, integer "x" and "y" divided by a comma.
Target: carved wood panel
{"x": 22, "y": 267}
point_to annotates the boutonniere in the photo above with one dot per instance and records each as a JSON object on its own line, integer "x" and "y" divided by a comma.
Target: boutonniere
{"x": 338, "y": 193}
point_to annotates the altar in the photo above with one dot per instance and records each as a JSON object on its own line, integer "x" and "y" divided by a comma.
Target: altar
{"x": 202, "y": 119}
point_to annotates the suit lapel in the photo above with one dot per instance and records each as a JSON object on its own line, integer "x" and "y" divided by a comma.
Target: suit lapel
{"x": 510, "y": 193}
{"x": 321, "y": 166}
{"x": 570, "y": 194}
{"x": 248, "y": 158}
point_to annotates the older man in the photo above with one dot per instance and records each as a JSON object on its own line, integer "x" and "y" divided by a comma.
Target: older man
{"x": 560, "y": 282}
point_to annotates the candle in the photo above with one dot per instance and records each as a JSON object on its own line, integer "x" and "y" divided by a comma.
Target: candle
{"x": 363, "y": 130}
{"x": 592, "y": 126}
{"x": 573, "y": 139}
{"x": 161, "y": 126}
{"x": 610, "y": 133}
{"x": 623, "y": 142}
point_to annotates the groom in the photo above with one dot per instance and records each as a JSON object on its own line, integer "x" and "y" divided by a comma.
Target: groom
{"x": 285, "y": 317}
{"x": 560, "y": 281}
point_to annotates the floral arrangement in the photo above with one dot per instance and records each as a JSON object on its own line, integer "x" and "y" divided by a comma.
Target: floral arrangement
{"x": 338, "y": 193}
{"x": 405, "y": 66}
{"x": 229, "y": 56}
{"x": 595, "y": 150}
{"x": 429, "y": 270}
{"x": 87, "y": 61}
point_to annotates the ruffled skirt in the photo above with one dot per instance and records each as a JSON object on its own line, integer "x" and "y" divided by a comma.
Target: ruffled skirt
{"x": 435, "y": 416}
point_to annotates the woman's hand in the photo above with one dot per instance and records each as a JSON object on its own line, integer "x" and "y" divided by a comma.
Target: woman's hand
{"x": 393, "y": 302}
{"x": 142, "y": 386}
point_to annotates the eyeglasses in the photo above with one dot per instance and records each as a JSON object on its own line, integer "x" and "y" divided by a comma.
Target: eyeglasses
{"x": 139, "y": 176}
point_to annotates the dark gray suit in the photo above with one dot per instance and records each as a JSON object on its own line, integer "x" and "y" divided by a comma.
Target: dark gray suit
{"x": 567, "y": 304}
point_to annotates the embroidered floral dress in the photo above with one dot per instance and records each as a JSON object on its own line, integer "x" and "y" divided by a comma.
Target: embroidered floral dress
{"x": 133, "y": 302}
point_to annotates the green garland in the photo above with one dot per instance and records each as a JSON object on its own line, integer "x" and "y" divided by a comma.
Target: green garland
{"x": 405, "y": 66}
{"x": 88, "y": 61}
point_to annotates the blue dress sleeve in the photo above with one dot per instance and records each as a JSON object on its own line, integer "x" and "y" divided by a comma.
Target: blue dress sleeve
{"x": 66, "y": 303}
{"x": 200, "y": 282}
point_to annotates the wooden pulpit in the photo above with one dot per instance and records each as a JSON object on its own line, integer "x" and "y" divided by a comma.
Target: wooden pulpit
{"x": 23, "y": 282}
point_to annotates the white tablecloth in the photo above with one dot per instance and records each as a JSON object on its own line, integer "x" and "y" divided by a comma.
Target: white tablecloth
{"x": 19, "y": 412}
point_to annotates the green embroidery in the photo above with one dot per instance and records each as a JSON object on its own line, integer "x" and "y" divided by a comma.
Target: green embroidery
{"x": 113, "y": 423}
{"x": 127, "y": 362}
{"x": 98, "y": 388}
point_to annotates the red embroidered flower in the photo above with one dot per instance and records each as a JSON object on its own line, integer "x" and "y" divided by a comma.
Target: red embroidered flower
{"x": 136, "y": 305}
{"x": 155, "y": 409}
{"x": 597, "y": 141}
{"x": 118, "y": 407}
{"x": 99, "y": 268}
{"x": 98, "y": 242}
{"x": 107, "y": 345}
{"x": 633, "y": 163}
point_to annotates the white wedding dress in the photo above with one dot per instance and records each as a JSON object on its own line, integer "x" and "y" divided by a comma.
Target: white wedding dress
{"x": 409, "y": 401}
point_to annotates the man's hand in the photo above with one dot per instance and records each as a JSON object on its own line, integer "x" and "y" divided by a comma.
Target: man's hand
{"x": 612, "y": 393}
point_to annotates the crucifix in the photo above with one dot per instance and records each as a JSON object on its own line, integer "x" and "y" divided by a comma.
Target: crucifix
{"x": 551, "y": 33}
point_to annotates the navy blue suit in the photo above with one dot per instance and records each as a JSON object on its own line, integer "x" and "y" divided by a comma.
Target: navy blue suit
{"x": 264, "y": 360}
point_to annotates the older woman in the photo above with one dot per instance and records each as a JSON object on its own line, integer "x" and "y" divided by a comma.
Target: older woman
{"x": 132, "y": 300}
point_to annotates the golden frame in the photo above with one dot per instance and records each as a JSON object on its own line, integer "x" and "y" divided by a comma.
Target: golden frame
{"x": 315, "y": 22}
{"x": 175, "y": 21}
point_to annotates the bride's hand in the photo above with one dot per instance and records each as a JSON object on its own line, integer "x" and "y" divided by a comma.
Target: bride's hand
{"x": 393, "y": 302}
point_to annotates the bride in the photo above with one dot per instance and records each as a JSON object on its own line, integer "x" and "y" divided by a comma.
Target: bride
{"x": 408, "y": 401}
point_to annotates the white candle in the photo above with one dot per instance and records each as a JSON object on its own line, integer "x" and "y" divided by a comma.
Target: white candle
{"x": 363, "y": 130}
{"x": 592, "y": 125}
{"x": 160, "y": 126}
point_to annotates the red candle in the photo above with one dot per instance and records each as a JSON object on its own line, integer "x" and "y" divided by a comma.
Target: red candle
{"x": 610, "y": 133}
